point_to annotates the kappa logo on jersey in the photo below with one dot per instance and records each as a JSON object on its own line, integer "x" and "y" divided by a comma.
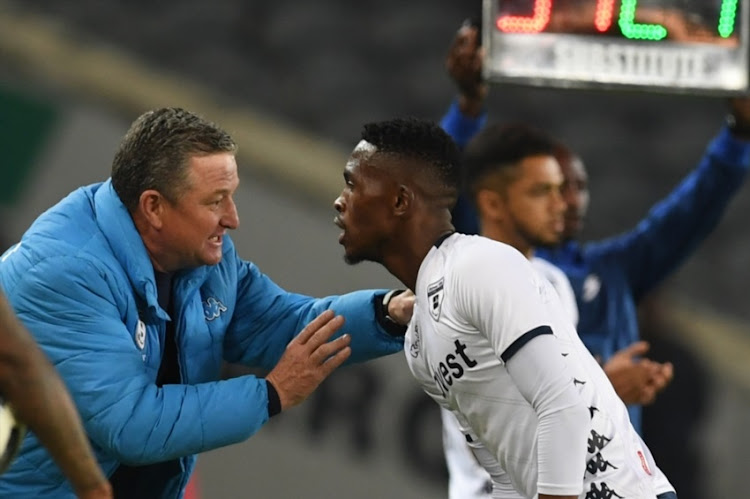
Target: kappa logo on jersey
{"x": 212, "y": 308}
{"x": 601, "y": 492}
{"x": 435, "y": 298}
{"x": 140, "y": 335}
{"x": 452, "y": 368}
{"x": 414, "y": 348}
{"x": 598, "y": 464}
{"x": 591, "y": 286}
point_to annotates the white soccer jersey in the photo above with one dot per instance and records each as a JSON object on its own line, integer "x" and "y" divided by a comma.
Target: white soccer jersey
{"x": 562, "y": 286}
{"x": 478, "y": 305}
{"x": 467, "y": 478}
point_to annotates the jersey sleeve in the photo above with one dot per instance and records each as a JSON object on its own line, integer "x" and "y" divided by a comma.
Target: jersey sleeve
{"x": 499, "y": 294}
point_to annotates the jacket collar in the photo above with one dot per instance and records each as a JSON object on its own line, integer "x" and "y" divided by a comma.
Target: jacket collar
{"x": 115, "y": 222}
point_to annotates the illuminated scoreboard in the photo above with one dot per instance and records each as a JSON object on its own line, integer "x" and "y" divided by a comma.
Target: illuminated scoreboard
{"x": 685, "y": 46}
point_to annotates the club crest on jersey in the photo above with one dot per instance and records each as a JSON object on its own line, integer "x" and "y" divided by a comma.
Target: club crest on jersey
{"x": 435, "y": 298}
{"x": 212, "y": 308}
{"x": 140, "y": 335}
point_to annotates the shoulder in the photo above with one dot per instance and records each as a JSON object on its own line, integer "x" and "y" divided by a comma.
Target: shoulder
{"x": 477, "y": 252}
{"x": 476, "y": 263}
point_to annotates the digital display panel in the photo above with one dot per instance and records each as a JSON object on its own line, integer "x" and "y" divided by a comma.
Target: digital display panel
{"x": 685, "y": 46}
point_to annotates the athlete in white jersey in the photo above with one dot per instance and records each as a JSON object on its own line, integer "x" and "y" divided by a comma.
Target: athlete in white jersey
{"x": 489, "y": 339}
{"x": 467, "y": 478}
{"x": 519, "y": 202}
{"x": 494, "y": 345}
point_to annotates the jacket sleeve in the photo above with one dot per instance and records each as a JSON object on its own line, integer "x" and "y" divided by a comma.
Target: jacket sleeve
{"x": 70, "y": 307}
{"x": 675, "y": 226}
{"x": 462, "y": 129}
{"x": 267, "y": 317}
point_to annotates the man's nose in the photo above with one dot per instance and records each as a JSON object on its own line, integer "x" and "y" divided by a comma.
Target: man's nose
{"x": 231, "y": 219}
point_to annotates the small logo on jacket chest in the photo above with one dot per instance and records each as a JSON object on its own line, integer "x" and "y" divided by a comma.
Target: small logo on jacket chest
{"x": 140, "y": 335}
{"x": 213, "y": 308}
{"x": 452, "y": 368}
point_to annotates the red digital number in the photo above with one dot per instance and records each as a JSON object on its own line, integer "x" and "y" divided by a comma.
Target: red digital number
{"x": 527, "y": 24}
{"x": 538, "y": 21}
{"x": 605, "y": 12}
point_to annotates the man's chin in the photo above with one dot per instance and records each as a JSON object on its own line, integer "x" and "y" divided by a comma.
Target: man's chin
{"x": 353, "y": 259}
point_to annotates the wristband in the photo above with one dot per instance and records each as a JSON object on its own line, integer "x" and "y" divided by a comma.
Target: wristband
{"x": 381, "y": 314}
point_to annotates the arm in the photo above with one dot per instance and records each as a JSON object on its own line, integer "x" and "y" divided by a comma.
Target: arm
{"x": 676, "y": 225}
{"x": 466, "y": 115}
{"x": 41, "y": 401}
{"x": 71, "y": 307}
{"x": 267, "y": 317}
{"x": 539, "y": 372}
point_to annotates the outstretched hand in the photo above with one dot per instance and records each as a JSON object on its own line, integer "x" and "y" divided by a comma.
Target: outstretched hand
{"x": 464, "y": 66}
{"x": 309, "y": 359}
{"x": 637, "y": 380}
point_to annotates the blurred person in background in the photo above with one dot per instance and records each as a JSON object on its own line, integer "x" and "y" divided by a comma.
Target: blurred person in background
{"x": 135, "y": 291}
{"x": 490, "y": 340}
{"x": 38, "y": 398}
{"x": 610, "y": 277}
{"x": 514, "y": 182}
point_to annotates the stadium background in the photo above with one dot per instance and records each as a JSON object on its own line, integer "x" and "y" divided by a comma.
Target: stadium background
{"x": 293, "y": 82}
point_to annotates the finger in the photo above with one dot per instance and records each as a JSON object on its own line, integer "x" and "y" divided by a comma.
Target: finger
{"x": 648, "y": 395}
{"x": 668, "y": 370}
{"x": 312, "y": 327}
{"x": 324, "y": 334}
{"x": 333, "y": 362}
{"x": 329, "y": 348}
{"x": 636, "y": 349}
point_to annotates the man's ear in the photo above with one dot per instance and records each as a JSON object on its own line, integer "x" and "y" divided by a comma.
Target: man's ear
{"x": 490, "y": 204}
{"x": 404, "y": 200}
{"x": 151, "y": 204}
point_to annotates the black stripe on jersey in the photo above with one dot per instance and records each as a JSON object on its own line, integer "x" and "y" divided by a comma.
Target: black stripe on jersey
{"x": 522, "y": 340}
{"x": 443, "y": 238}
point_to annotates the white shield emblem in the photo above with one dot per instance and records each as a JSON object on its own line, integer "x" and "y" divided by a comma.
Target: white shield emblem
{"x": 140, "y": 335}
{"x": 435, "y": 298}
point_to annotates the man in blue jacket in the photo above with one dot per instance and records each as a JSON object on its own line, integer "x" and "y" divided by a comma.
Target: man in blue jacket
{"x": 610, "y": 276}
{"x": 134, "y": 290}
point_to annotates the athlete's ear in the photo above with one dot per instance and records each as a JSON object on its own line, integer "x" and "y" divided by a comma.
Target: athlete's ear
{"x": 404, "y": 200}
{"x": 490, "y": 204}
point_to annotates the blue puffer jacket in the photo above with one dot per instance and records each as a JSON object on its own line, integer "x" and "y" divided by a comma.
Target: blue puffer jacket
{"x": 82, "y": 282}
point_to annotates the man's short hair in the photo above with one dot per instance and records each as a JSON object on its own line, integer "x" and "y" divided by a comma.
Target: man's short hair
{"x": 498, "y": 148}
{"x": 155, "y": 152}
{"x": 422, "y": 140}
